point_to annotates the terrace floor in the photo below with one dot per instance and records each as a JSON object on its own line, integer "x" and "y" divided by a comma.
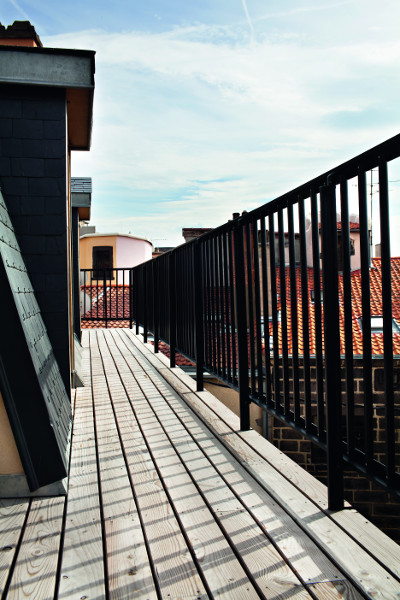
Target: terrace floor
{"x": 168, "y": 499}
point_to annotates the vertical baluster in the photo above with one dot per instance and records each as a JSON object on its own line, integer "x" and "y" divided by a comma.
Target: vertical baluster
{"x": 318, "y": 317}
{"x": 227, "y": 310}
{"x": 257, "y": 308}
{"x": 243, "y": 368}
{"x": 294, "y": 315}
{"x": 283, "y": 294}
{"x": 274, "y": 315}
{"x": 305, "y": 317}
{"x": 348, "y": 321}
{"x": 250, "y": 305}
{"x": 387, "y": 323}
{"x": 265, "y": 289}
{"x": 366, "y": 319}
{"x": 233, "y": 320}
{"x": 332, "y": 347}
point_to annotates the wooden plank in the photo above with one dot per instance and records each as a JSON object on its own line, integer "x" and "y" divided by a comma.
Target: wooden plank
{"x": 363, "y": 570}
{"x": 358, "y": 566}
{"x": 270, "y": 572}
{"x": 177, "y": 575}
{"x": 223, "y": 572}
{"x": 313, "y": 567}
{"x": 12, "y": 517}
{"x": 34, "y": 575}
{"x": 370, "y": 537}
{"x": 129, "y": 572}
{"x": 82, "y": 567}
{"x": 363, "y": 531}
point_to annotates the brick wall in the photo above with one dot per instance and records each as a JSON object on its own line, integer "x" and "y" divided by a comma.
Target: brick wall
{"x": 369, "y": 498}
{"x": 33, "y": 177}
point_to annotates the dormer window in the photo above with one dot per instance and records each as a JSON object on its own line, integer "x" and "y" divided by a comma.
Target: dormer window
{"x": 377, "y": 325}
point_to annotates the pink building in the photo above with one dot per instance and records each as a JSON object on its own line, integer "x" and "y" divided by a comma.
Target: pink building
{"x": 113, "y": 250}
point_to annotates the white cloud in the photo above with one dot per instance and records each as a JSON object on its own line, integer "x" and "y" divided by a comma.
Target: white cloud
{"x": 176, "y": 110}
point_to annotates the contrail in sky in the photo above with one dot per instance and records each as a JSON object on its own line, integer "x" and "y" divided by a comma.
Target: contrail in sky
{"x": 248, "y": 18}
{"x": 19, "y": 9}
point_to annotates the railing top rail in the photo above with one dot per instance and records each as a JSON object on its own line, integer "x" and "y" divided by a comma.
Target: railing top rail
{"x": 388, "y": 150}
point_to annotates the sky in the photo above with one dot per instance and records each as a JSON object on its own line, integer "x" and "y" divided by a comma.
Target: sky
{"x": 204, "y": 108}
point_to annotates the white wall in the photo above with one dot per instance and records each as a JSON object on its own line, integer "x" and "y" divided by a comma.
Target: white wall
{"x": 132, "y": 252}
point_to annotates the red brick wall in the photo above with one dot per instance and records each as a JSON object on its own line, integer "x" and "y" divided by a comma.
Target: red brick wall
{"x": 369, "y": 498}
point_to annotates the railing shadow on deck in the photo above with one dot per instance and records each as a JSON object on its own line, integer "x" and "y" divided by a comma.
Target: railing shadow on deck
{"x": 282, "y": 304}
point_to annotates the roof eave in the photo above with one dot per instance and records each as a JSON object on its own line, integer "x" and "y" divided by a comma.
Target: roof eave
{"x": 72, "y": 70}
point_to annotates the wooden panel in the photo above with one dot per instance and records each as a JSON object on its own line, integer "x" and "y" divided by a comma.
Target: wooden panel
{"x": 12, "y": 517}
{"x": 82, "y": 568}
{"x": 129, "y": 572}
{"x": 359, "y": 566}
{"x": 271, "y": 574}
{"x": 313, "y": 567}
{"x": 176, "y": 572}
{"x": 34, "y": 576}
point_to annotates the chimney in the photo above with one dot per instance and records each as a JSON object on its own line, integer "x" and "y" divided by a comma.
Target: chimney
{"x": 20, "y": 33}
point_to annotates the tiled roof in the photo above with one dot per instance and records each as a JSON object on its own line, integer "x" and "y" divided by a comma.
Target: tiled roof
{"x": 376, "y": 308}
{"x": 116, "y": 316}
{"x": 116, "y": 301}
{"x": 180, "y": 361}
{"x": 353, "y": 226}
{"x": 81, "y": 185}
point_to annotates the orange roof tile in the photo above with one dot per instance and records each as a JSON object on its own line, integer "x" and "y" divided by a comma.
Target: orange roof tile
{"x": 356, "y": 299}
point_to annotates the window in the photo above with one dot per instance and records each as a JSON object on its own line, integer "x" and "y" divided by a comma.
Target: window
{"x": 312, "y": 294}
{"x": 377, "y": 325}
{"x": 340, "y": 250}
{"x": 103, "y": 262}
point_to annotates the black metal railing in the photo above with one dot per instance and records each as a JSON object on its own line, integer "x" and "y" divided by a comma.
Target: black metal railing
{"x": 106, "y": 295}
{"x": 278, "y": 304}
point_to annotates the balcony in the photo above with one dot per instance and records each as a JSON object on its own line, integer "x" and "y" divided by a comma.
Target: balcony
{"x": 168, "y": 498}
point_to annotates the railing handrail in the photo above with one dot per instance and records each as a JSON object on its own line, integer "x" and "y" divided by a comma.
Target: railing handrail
{"x": 237, "y": 303}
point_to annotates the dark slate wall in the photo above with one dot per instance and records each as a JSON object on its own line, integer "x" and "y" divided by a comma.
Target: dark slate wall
{"x": 30, "y": 381}
{"x": 33, "y": 177}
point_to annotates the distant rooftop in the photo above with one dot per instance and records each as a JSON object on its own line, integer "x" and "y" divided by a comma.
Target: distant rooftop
{"x": 21, "y": 32}
{"x": 81, "y": 196}
{"x": 81, "y": 185}
{"x": 191, "y": 233}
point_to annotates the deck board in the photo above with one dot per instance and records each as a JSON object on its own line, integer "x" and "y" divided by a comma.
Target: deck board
{"x": 168, "y": 499}
{"x": 82, "y": 567}
{"x": 35, "y": 574}
{"x": 13, "y": 513}
{"x": 315, "y": 569}
{"x": 129, "y": 570}
{"x": 177, "y": 456}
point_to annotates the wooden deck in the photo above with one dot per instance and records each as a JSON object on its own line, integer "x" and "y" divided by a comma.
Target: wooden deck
{"x": 167, "y": 499}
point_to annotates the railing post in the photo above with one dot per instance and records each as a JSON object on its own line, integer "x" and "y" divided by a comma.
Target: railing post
{"x": 154, "y": 288}
{"x": 198, "y": 315}
{"x": 144, "y": 304}
{"x": 241, "y": 323}
{"x": 332, "y": 347}
{"x": 105, "y": 295}
{"x": 172, "y": 309}
{"x": 130, "y": 298}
